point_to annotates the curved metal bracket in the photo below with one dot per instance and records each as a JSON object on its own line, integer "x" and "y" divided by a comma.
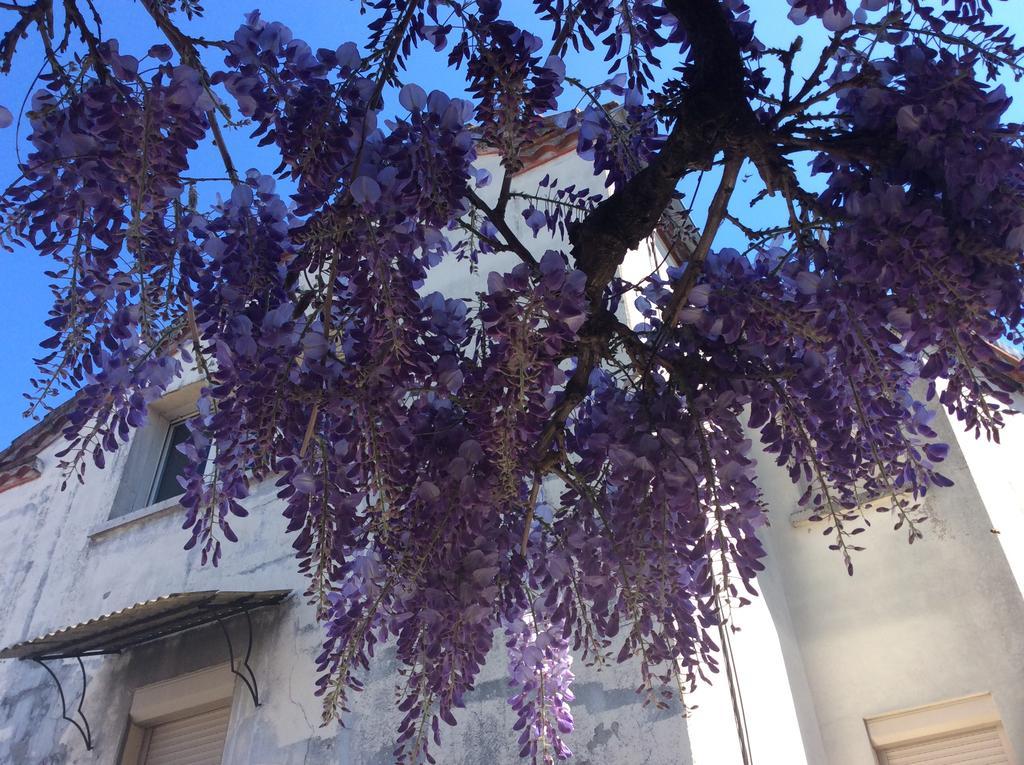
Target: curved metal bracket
{"x": 83, "y": 728}
{"x": 248, "y": 677}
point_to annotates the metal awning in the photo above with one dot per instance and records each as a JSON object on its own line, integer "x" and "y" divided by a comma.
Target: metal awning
{"x": 142, "y": 623}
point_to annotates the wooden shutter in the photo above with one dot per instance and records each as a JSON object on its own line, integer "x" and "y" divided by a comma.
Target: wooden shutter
{"x": 195, "y": 740}
{"x": 976, "y": 747}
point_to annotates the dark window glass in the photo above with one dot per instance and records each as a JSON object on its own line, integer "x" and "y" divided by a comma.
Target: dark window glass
{"x": 172, "y": 464}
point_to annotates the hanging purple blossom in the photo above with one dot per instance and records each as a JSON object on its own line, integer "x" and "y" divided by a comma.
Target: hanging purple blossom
{"x": 509, "y": 454}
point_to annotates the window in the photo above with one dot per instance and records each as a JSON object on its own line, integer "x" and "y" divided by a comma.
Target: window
{"x": 196, "y": 739}
{"x": 978, "y": 747}
{"x": 150, "y": 475}
{"x": 183, "y": 720}
{"x": 172, "y": 463}
{"x": 962, "y": 730}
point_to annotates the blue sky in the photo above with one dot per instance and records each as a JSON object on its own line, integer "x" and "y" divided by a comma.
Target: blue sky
{"x": 24, "y": 295}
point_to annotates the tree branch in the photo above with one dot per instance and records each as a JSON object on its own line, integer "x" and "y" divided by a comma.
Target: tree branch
{"x": 186, "y": 49}
{"x": 714, "y": 114}
{"x": 716, "y": 214}
{"x": 501, "y": 224}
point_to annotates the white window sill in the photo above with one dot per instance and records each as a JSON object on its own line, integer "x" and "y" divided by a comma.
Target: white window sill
{"x": 156, "y": 510}
{"x": 802, "y": 518}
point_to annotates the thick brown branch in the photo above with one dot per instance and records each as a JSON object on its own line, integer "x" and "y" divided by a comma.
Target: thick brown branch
{"x": 75, "y": 18}
{"x": 714, "y": 114}
{"x": 627, "y": 217}
{"x": 504, "y": 194}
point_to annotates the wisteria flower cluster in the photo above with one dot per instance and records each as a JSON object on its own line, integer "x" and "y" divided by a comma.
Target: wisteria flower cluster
{"x": 513, "y": 456}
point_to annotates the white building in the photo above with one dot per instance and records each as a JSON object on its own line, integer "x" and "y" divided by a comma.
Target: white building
{"x": 918, "y": 658}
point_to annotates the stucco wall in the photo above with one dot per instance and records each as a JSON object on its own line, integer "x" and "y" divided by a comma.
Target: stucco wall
{"x": 915, "y": 624}
{"x": 55, "y": 574}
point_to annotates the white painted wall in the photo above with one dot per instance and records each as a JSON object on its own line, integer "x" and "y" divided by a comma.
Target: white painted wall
{"x": 996, "y": 469}
{"x": 915, "y": 624}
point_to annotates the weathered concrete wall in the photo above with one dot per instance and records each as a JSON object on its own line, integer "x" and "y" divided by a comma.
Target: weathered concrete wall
{"x": 55, "y": 574}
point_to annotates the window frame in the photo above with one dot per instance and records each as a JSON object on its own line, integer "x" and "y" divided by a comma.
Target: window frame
{"x": 141, "y": 472}
{"x": 183, "y": 696}
{"x": 941, "y": 719}
{"x": 161, "y": 464}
